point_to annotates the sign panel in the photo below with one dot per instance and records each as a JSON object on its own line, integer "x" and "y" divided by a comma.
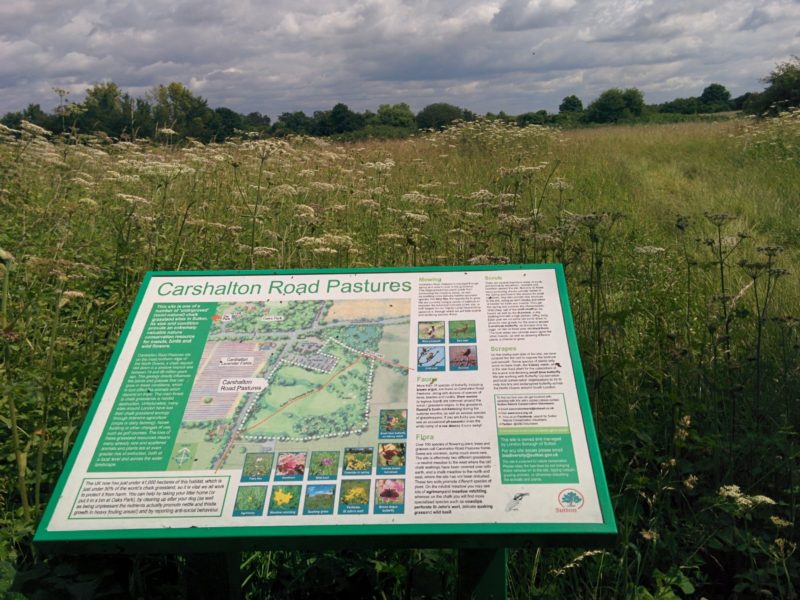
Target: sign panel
{"x": 446, "y": 403}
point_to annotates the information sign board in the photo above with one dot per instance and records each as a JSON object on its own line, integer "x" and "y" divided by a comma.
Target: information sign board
{"x": 425, "y": 406}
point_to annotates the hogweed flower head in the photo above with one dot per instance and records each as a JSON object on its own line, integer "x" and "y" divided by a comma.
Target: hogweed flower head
{"x": 649, "y": 250}
{"x": 753, "y": 269}
{"x": 34, "y": 129}
{"x": 729, "y": 491}
{"x": 718, "y": 219}
{"x": 780, "y": 523}
{"x": 771, "y": 250}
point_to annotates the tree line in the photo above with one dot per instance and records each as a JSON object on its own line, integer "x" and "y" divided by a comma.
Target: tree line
{"x": 172, "y": 111}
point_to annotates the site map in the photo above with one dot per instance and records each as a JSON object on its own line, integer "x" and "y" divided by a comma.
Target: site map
{"x": 278, "y": 373}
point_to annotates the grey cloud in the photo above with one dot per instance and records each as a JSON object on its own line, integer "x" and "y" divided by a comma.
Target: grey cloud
{"x": 770, "y": 12}
{"x": 521, "y": 15}
{"x": 654, "y": 21}
{"x": 757, "y": 18}
{"x": 310, "y": 54}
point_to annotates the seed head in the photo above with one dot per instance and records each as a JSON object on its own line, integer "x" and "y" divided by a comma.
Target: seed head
{"x": 649, "y": 534}
{"x": 770, "y": 250}
{"x": 753, "y": 269}
{"x": 718, "y": 219}
{"x": 6, "y": 258}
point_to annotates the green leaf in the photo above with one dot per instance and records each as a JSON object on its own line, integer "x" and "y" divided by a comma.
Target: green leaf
{"x": 643, "y": 594}
{"x": 684, "y": 583}
{"x": 7, "y": 573}
{"x": 65, "y": 445}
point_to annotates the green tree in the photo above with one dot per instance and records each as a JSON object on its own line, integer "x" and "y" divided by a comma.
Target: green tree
{"x": 540, "y": 117}
{"x": 396, "y": 115}
{"x": 321, "y": 123}
{"x": 176, "y": 107}
{"x": 570, "y": 104}
{"x": 438, "y": 115}
{"x": 225, "y": 123}
{"x": 684, "y": 106}
{"x": 715, "y": 98}
{"x": 12, "y": 119}
{"x": 740, "y": 102}
{"x": 342, "y": 119}
{"x": 782, "y": 92}
{"x": 142, "y": 123}
{"x": 255, "y": 121}
{"x": 634, "y": 101}
{"x": 33, "y": 113}
{"x": 370, "y": 118}
{"x": 104, "y": 109}
{"x": 616, "y": 105}
{"x": 293, "y": 122}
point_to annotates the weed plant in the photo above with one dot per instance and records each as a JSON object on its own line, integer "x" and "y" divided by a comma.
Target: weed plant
{"x": 677, "y": 241}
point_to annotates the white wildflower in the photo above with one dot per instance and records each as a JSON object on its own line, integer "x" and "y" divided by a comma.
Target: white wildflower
{"x": 416, "y": 217}
{"x": 649, "y": 249}
{"x": 33, "y": 128}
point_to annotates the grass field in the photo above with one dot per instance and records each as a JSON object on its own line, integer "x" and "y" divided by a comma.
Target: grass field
{"x": 679, "y": 242}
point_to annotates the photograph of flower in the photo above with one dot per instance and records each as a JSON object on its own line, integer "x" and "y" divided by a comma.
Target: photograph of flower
{"x": 285, "y": 500}
{"x": 323, "y": 465}
{"x": 393, "y": 424}
{"x": 357, "y": 461}
{"x": 291, "y": 466}
{"x": 250, "y": 501}
{"x": 257, "y": 466}
{"x": 355, "y": 497}
{"x": 319, "y": 499}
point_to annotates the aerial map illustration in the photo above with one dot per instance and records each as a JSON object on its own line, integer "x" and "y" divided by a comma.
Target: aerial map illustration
{"x": 277, "y": 374}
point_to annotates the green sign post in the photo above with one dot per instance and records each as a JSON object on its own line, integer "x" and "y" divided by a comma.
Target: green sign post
{"x": 441, "y": 406}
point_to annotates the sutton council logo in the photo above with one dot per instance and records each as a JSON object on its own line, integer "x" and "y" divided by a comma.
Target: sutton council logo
{"x": 570, "y": 500}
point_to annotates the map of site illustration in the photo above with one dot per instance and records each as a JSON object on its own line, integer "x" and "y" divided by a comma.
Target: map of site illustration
{"x": 274, "y": 375}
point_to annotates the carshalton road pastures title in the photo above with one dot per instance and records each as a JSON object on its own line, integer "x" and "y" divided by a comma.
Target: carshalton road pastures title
{"x": 280, "y": 287}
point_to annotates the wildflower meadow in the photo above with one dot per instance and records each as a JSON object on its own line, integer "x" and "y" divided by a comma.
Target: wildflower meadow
{"x": 680, "y": 245}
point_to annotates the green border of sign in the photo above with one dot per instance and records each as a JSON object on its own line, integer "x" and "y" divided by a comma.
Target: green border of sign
{"x": 316, "y": 537}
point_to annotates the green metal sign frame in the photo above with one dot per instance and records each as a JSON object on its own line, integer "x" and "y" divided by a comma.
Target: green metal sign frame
{"x": 316, "y": 537}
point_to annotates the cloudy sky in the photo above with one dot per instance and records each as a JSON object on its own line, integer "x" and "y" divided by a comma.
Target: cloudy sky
{"x": 279, "y": 55}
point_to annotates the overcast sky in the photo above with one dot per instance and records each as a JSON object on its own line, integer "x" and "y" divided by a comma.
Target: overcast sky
{"x": 279, "y": 55}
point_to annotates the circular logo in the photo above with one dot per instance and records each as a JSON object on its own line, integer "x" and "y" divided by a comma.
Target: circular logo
{"x": 570, "y": 498}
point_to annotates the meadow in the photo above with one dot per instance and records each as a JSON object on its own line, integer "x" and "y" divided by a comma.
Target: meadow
{"x": 679, "y": 243}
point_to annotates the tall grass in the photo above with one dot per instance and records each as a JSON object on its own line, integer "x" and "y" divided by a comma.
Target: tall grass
{"x": 677, "y": 242}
